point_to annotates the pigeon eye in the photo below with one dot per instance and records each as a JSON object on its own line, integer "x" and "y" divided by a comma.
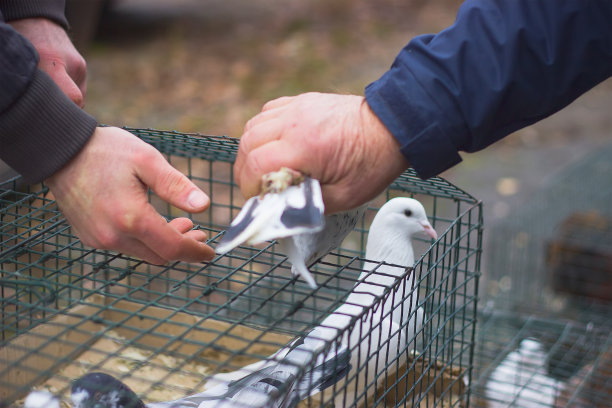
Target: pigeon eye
{"x": 408, "y": 213}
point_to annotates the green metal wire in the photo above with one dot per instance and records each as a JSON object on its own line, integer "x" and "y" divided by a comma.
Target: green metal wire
{"x": 521, "y": 295}
{"x": 62, "y": 300}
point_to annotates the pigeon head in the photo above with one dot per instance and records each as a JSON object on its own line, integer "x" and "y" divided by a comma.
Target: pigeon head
{"x": 392, "y": 229}
{"x": 99, "y": 390}
{"x": 404, "y": 215}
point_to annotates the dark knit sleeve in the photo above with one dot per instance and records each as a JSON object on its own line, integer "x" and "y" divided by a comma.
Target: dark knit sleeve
{"x": 501, "y": 66}
{"x": 19, "y": 9}
{"x": 43, "y": 130}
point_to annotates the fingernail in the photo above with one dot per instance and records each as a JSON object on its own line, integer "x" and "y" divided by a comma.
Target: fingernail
{"x": 197, "y": 199}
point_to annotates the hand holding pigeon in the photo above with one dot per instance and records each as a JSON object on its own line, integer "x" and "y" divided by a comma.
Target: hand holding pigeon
{"x": 290, "y": 206}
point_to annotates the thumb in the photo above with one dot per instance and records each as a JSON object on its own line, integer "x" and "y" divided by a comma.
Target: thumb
{"x": 171, "y": 185}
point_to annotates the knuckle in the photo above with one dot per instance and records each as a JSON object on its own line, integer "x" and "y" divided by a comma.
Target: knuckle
{"x": 270, "y": 104}
{"x": 254, "y": 165}
{"x": 77, "y": 97}
{"x": 245, "y": 140}
{"x": 247, "y": 127}
{"x": 144, "y": 155}
{"x": 82, "y": 65}
{"x": 77, "y": 65}
{"x": 107, "y": 239}
{"x": 125, "y": 222}
{"x": 100, "y": 237}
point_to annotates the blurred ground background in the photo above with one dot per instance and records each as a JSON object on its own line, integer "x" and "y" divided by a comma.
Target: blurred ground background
{"x": 209, "y": 65}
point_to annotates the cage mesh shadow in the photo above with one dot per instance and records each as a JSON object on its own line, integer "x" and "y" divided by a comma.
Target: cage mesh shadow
{"x": 68, "y": 309}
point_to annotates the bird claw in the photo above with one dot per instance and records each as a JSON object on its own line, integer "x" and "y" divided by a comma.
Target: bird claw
{"x": 278, "y": 181}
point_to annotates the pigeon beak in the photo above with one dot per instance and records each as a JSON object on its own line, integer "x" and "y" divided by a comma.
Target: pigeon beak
{"x": 428, "y": 229}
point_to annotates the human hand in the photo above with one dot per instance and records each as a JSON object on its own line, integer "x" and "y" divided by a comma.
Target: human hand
{"x": 58, "y": 57}
{"x": 336, "y": 139}
{"x": 103, "y": 194}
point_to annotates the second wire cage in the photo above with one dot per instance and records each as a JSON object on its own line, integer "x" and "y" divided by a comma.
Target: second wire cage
{"x": 169, "y": 331}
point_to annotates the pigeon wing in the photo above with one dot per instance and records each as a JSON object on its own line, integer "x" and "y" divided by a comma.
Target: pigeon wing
{"x": 296, "y": 210}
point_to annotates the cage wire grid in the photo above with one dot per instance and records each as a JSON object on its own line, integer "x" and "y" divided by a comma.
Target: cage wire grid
{"x": 548, "y": 285}
{"x": 571, "y": 366}
{"x": 165, "y": 331}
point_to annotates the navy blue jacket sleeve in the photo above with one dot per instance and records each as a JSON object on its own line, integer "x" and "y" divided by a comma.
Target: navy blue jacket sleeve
{"x": 503, "y": 65}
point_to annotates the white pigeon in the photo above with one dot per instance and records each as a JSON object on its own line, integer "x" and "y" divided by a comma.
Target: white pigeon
{"x": 390, "y": 326}
{"x": 362, "y": 340}
{"x": 521, "y": 379}
{"x": 291, "y": 209}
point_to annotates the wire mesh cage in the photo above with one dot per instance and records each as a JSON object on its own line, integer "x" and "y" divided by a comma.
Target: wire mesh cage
{"x": 170, "y": 331}
{"x": 531, "y": 361}
{"x": 545, "y": 328}
{"x": 558, "y": 244}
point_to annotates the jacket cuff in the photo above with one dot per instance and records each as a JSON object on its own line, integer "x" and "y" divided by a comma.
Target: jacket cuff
{"x": 43, "y": 130}
{"x": 425, "y": 144}
{"x": 20, "y": 9}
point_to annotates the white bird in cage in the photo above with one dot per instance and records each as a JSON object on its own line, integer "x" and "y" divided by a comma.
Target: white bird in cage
{"x": 521, "y": 379}
{"x": 393, "y": 323}
{"x": 364, "y": 337}
{"x": 290, "y": 209}
{"x": 390, "y": 325}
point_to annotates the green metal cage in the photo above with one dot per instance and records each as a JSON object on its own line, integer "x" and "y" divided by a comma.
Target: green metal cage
{"x": 547, "y": 279}
{"x": 68, "y": 309}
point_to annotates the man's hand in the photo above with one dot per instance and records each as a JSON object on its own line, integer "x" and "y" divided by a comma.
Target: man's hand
{"x": 103, "y": 194}
{"x": 58, "y": 57}
{"x": 336, "y": 139}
